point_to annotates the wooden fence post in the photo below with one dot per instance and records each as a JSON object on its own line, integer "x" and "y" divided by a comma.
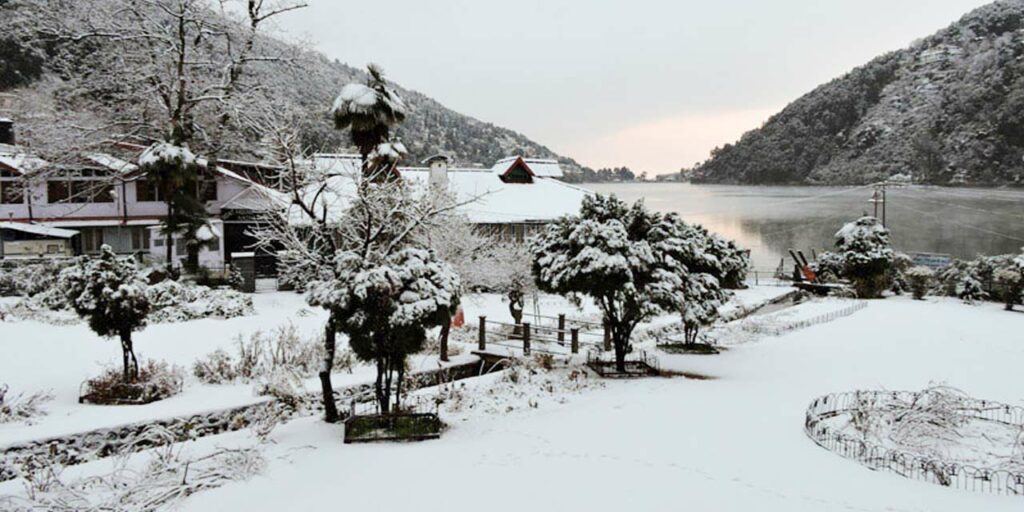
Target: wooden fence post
{"x": 607, "y": 337}
{"x": 482, "y": 341}
{"x": 575, "y": 333}
{"x": 526, "y": 338}
{"x": 561, "y": 328}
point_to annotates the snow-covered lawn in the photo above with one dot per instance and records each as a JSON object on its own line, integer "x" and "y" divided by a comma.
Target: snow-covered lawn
{"x": 58, "y": 358}
{"x": 734, "y": 442}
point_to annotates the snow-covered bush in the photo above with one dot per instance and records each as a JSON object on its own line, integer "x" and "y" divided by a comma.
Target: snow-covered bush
{"x": 866, "y": 256}
{"x": 21, "y": 407}
{"x": 919, "y": 279}
{"x": 263, "y": 354}
{"x": 828, "y": 266}
{"x": 111, "y": 295}
{"x": 29, "y": 278}
{"x": 1011, "y": 282}
{"x": 173, "y": 301}
{"x": 385, "y": 307}
{"x": 969, "y": 288}
{"x": 898, "y": 274}
{"x": 156, "y": 380}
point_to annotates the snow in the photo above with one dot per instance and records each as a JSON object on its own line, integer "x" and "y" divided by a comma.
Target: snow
{"x": 733, "y": 442}
{"x": 489, "y": 200}
{"x": 166, "y": 152}
{"x": 38, "y": 229}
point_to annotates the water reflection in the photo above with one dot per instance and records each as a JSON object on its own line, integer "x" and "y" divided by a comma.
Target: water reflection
{"x": 771, "y": 220}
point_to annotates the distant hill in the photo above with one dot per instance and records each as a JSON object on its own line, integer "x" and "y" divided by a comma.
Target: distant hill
{"x": 27, "y": 67}
{"x": 947, "y": 110}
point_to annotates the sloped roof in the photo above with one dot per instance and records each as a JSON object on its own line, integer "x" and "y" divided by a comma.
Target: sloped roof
{"x": 38, "y": 229}
{"x": 543, "y": 167}
{"x": 489, "y": 199}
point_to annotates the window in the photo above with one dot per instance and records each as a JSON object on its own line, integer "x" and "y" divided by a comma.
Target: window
{"x": 58, "y": 191}
{"x": 207, "y": 189}
{"x": 12, "y": 192}
{"x": 92, "y": 239}
{"x": 140, "y": 239}
{"x": 78, "y": 191}
{"x": 147, "y": 191}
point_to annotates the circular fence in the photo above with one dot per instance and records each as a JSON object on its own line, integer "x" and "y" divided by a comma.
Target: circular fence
{"x": 946, "y": 473}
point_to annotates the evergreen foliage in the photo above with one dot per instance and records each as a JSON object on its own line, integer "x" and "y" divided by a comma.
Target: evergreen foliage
{"x": 110, "y": 294}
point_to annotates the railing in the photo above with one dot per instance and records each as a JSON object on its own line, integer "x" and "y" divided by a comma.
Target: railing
{"x": 946, "y": 473}
{"x": 637, "y": 364}
{"x": 539, "y": 338}
{"x": 820, "y": 319}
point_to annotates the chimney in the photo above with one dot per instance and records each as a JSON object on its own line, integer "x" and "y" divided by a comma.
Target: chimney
{"x": 6, "y": 131}
{"x": 438, "y": 171}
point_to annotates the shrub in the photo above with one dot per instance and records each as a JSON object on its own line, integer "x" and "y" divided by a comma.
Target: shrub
{"x": 920, "y": 280}
{"x": 172, "y": 301}
{"x": 21, "y": 407}
{"x": 969, "y": 289}
{"x": 156, "y": 381}
{"x": 263, "y": 354}
{"x": 1011, "y": 282}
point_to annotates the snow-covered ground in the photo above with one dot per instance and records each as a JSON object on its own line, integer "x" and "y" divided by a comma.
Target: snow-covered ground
{"x": 58, "y": 358}
{"x": 734, "y": 442}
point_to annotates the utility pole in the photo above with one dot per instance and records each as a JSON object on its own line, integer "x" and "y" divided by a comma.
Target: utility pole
{"x": 879, "y": 197}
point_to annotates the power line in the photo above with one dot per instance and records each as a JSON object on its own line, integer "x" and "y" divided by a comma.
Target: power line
{"x": 931, "y": 215}
{"x": 963, "y": 207}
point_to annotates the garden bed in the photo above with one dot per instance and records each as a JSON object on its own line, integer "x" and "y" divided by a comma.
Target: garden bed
{"x": 371, "y": 428}
{"x": 689, "y": 348}
{"x": 637, "y": 364}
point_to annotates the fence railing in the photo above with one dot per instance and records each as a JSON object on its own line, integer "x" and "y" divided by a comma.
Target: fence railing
{"x": 541, "y": 338}
{"x": 820, "y": 319}
{"x": 946, "y": 473}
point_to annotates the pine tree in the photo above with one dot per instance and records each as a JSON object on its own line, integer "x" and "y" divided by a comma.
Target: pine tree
{"x": 109, "y": 292}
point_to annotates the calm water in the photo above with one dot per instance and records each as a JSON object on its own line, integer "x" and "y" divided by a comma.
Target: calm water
{"x": 963, "y": 222}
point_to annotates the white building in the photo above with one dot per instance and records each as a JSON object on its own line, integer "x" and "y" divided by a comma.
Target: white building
{"x": 107, "y": 201}
{"x": 510, "y": 200}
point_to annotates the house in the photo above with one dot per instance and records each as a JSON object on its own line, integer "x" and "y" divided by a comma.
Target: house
{"x": 107, "y": 200}
{"x": 20, "y": 240}
{"x": 511, "y": 200}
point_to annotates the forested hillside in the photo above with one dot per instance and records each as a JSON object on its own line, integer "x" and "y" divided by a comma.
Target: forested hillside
{"x": 66, "y": 77}
{"x": 947, "y": 110}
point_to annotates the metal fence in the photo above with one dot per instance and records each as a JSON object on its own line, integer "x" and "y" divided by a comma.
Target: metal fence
{"x": 820, "y": 319}
{"x": 638, "y": 363}
{"x": 946, "y": 473}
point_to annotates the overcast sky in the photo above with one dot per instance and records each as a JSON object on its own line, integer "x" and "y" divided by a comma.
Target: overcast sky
{"x": 650, "y": 84}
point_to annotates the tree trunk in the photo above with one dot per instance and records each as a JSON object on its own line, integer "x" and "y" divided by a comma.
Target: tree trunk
{"x": 620, "y": 339}
{"x": 446, "y": 328}
{"x": 398, "y": 394}
{"x": 330, "y": 340}
{"x": 131, "y": 364}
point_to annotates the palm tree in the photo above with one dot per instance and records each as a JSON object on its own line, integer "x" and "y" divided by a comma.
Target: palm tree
{"x": 369, "y": 112}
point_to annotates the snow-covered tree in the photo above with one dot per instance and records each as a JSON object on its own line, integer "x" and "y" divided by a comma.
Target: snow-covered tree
{"x": 110, "y": 294}
{"x": 175, "y": 173}
{"x": 867, "y": 256}
{"x": 370, "y": 111}
{"x": 703, "y": 297}
{"x": 627, "y": 259}
{"x": 920, "y": 280}
{"x": 332, "y": 211}
{"x": 385, "y": 304}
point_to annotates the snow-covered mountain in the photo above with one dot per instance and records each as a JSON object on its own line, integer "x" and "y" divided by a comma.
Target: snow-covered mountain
{"x": 946, "y": 110}
{"x": 32, "y": 66}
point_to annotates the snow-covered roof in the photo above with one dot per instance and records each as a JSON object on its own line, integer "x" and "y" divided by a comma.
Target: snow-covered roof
{"x": 498, "y": 202}
{"x": 543, "y": 167}
{"x": 492, "y": 200}
{"x": 15, "y": 159}
{"x": 38, "y": 229}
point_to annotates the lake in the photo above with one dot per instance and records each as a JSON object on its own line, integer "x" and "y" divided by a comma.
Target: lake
{"x": 963, "y": 222}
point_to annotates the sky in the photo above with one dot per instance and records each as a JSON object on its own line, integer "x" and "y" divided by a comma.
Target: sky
{"x": 650, "y": 84}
